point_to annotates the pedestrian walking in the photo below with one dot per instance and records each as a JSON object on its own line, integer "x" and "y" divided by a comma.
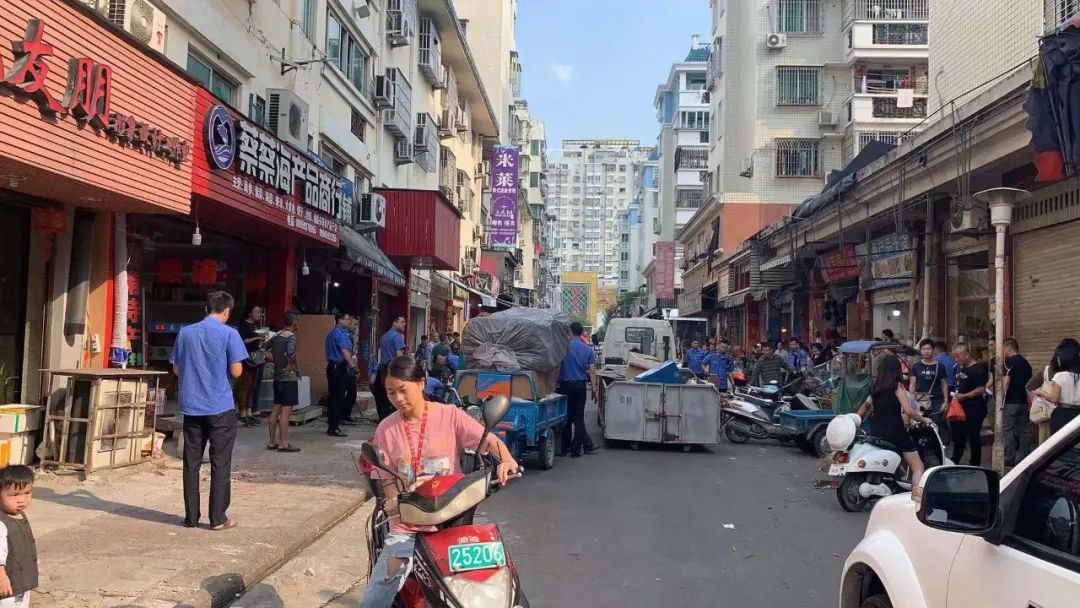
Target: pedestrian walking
{"x": 247, "y": 390}
{"x": 18, "y": 549}
{"x": 578, "y": 368}
{"x": 769, "y": 366}
{"x": 796, "y": 357}
{"x": 695, "y": 356}
{"x": 286, "y": 384}
{"x": 204, "y": 357}
{"x": 1016, "y": 426}
{"x": 391, "y": 345}
{"x": 971, "y": 379}
{"x": 928, "y": 382}
{"x": 941, "y": 353}
{"x": 340, "y": 374}
{"x": 722, "y": 365}
{"x": 1065, "y": 385}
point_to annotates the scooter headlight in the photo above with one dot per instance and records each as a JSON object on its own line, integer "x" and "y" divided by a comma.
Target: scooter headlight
{"x": 495, "y": 591}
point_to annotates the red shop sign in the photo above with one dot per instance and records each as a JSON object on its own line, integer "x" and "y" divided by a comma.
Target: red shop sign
{"x": 839, "y": 264}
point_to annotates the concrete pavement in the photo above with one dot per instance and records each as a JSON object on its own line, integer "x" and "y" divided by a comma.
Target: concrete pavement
{"x": 117, "y": 539}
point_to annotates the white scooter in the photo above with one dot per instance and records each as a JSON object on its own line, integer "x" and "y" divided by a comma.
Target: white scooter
{"x": 868, "y": 468}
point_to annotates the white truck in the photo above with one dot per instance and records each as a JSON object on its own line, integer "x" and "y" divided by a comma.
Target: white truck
{"x": 652, "y": 337}
{"x": 974, "y": 540}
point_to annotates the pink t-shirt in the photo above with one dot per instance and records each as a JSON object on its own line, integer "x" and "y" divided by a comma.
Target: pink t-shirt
{"x": 449, "y": 432}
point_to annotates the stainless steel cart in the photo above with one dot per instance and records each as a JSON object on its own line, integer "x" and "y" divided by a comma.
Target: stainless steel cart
{"x": 685, "y": 414}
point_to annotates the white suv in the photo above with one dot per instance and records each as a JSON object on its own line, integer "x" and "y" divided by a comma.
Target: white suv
{"x": 968, "y": 545}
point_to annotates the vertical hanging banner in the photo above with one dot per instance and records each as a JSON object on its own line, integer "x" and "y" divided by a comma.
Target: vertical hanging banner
{"x": 502, "y": 230}
{"x": 664, "y": 270}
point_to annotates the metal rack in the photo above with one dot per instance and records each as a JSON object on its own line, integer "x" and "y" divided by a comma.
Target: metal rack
{"x": 92, "y": 421}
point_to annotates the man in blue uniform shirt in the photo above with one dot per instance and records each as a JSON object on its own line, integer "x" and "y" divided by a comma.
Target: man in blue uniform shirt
{"x": 340, "y": 374}
{"x": 721, "y": 364}
{"x": 695, "y": 356}
{"x": 577, "y": 375}
{"x": 391, "y": 345}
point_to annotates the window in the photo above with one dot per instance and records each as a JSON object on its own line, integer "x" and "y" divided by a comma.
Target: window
{"x": 257, "y": 110}
{"x": 534, "y": 147}
{"x": 624, "y": 256}
{"x": 797, "y": 157}
{"x": 691, "y": 119}
{"x": 797, "y": 86}
{"x": 703, "y": 137}
{"x": 222, "y": 88}
{"x": 307, "y": 17}
{"x": 344, "y": 52}
{"x": 534, "y": 179}
{"x": 358, "y": 125}
{"x": 1048, "y": 522}
{"x": 900, "y": 33}
{"x": 800, "y": 16}
{"x": 695, "y": 81}
{"x": 1059, "y": 11}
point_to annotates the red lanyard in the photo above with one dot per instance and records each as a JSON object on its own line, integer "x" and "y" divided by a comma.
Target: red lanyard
{"x": 415, "y": 456}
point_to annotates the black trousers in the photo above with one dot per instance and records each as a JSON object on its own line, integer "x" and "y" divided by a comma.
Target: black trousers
{"x": 341, "y": 384}
{"x": 382, "y": 401}
{"x": 219, "y": 431}
{"x": 575, "y": 437}
{"x": 969, "y": 432}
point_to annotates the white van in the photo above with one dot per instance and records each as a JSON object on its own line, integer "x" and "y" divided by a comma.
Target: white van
{"x": 649, "y": 336}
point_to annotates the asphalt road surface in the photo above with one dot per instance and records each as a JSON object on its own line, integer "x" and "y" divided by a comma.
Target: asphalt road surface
{"x": 737, "y": 525}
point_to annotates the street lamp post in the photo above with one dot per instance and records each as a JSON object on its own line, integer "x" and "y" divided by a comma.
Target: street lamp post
{"x": 1001, "y": 201}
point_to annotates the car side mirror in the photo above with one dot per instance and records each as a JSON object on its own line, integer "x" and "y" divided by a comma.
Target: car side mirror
{"x": 960, "y": 499}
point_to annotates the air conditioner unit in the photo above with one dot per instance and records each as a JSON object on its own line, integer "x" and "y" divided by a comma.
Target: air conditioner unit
{"x": 421, "y": 143}
{"x": 826, "y": 119}
{"x": 403, "y": 152}
{"x": 372, "y": 212}
{"x": 747, "y": 169}
{"x": 141, "y": 19}
{"x": 399, "y": 26}
{"x": 462, "y": 122}
{"x": 477, "y": 233}
{"x": 483, "y": 169}
{"x": 967, "y": 216}
{"x": 383, "y": 93}
{"x": 287, "y": 117}
{"x": 776, "y": 40}
{"x": 446, "y": 122}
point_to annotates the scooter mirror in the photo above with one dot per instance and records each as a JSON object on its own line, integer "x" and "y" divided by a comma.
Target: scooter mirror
{"x": 373, "y": 456}
{"x": 495, "y": 409}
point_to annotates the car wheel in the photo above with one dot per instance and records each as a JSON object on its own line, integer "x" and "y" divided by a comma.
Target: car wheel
{"x": 876, "y": 601}
{"x": 847, "y": 493}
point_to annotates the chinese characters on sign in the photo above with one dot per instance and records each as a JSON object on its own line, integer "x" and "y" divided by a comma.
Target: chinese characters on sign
{"x": 504, "y": 197}
{"x": 87, "y": 97}
{"x": 838, "y": 264}
{"x": 664, "y": 271}
{"x": 299, "y": 218}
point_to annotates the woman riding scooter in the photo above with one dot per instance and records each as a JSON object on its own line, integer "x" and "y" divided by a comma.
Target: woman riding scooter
{"x": 891, "y": 405}
{"x": 422, "y": 439}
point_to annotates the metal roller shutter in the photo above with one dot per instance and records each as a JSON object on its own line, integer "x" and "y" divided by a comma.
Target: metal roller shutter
{"x": 1046, "y": 283}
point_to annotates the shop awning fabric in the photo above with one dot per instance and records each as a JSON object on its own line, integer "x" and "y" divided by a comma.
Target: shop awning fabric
{"x": 365, "y": 252}
{"x": 485, "y": 299}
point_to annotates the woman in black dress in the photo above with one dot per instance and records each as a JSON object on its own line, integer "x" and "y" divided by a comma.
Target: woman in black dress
{"x": 891, "y": 405}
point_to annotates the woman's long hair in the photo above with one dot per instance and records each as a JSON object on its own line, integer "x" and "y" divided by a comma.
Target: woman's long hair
{"x": 889, "y": 374}
{"x": 1067, "y": 359}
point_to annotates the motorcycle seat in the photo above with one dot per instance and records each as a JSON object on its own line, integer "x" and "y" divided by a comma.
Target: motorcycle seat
{"x": 878, "y": 442}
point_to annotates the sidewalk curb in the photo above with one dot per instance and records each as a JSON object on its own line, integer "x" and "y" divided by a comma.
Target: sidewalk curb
{"x": 219, "y": 591}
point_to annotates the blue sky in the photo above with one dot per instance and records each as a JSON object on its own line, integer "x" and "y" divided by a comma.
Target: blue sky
{"x": 591, "y": 67}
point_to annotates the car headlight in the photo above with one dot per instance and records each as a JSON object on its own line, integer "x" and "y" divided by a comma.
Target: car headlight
{"x": 493, "y": 592}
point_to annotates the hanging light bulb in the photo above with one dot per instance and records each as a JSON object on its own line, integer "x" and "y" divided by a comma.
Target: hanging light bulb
{"x": 196, "y": 237}
{"x": 304, "y": 270}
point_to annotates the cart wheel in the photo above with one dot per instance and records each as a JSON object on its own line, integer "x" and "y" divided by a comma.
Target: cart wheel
{"x": 804, "y": 444}
{"x": 545, "y": 450}
{"x": 820, "y": 442}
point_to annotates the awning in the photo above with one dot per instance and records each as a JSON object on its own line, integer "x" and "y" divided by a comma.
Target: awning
{"x": 486, "y": 300}
{"x": 775, "y": 263}
{"x": 734, "y": 300}
{"x": 363, "y": 250}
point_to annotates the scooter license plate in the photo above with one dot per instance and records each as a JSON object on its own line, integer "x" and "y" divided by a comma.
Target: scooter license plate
{"x": 476, "y": 556}
{"x": 836, "y": 470}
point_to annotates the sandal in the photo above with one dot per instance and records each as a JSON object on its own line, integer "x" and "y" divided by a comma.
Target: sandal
{"x": 271, "y": 446}
{"x": 228, "y": 525}
{"x": 289, "y": 448}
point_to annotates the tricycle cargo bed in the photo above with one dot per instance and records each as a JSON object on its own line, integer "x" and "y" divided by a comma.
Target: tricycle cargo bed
{"x": 661, "y": 413}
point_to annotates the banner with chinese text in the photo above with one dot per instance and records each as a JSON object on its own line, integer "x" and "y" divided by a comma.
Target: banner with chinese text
{"x": 504, "y": 196}
{"x": 664, "y": 272}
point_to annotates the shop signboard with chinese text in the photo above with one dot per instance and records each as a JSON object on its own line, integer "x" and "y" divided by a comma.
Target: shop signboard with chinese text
{"x": 664, "y": 270}
{"x": 839, "y": 264}
{"x": 888, "y": 261}
{"x": 97, "y": 118}
{"x": 238, "y": 163}
{"x": 504, "y": 197}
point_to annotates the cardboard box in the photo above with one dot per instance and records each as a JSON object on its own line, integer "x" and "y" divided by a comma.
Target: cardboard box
{"x": 639, "y": 363}
{"x": 19, "y": 418}
{"x": 498, "y": 383}
{"x": 16, "y": 448}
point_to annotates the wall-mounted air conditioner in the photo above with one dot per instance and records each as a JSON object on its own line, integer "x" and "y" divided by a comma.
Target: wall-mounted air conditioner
{"x": 142, "y": 20}
{"x": 287, "y": 117}
{"x": 776, "y": 40}
{"x": 372, "y": 212}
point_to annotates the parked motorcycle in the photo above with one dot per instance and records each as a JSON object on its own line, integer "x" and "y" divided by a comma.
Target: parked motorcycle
{"x": 756, "y": 414}
{"x": 461, "y": 564}
{"x": 866, "y": 468}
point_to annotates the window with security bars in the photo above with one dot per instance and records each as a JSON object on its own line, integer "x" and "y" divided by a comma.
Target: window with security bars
{"x": 900, "y": 33}
{"x": 799, "y": 16}
{"x": 797, "y": 85}
{"x": 688, "y": 199}
{"x": 1058, "y": 12}
{"x": 797, "y": 157}
{"x": 893, "y": 138}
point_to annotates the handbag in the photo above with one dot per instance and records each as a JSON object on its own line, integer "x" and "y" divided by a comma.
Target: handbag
{"x": 956, "y": 411}
{"x": 1041, "y": 408}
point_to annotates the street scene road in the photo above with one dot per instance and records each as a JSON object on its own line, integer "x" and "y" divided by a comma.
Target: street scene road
{"x": 661, "y": 527}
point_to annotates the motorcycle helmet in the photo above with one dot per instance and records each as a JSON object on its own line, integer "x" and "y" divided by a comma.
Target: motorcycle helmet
{"x": 841, "y": 432}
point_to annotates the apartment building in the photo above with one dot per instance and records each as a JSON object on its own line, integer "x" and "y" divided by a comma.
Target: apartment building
{"x": 529, "y": 279}
{"x": 591, "y": 182}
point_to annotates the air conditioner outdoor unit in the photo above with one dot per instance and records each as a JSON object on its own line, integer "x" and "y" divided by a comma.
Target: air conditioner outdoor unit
{"x": 403, "y": 152}
{"x": 287, "y": 117}
{"x": 141, "y": 19}
{"x": 747, "y": 169}
{"x": 826, "y": 119}
{"x": 477, "y": 233}
{"x": 446, "y": 122}
{"x": 383, "y": 93}
{"x": 967, "y": 216}
{"x": 482, "y": 169}
{"x": 776, "y": 40}
{"x": 372, "y": 212}
{"x": 399, "y": 28}
{"x": 420, "y": 141}
{"x": 462, "y": 121}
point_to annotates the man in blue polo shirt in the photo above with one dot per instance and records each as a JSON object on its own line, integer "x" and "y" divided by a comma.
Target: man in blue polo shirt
{"x": 392, "y": 344}
{"x": 695, "y": 356}
{"x": 340, "y": 374}
{"x": 206, "y": 355}
{"x": 578, "y": 368}
{"x": 721, "y": 364}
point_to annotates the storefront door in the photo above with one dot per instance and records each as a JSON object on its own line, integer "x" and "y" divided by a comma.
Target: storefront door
{"x": 14, "y": 249}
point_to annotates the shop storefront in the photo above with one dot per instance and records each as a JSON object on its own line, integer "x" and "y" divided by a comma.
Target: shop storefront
{"x": 888, "y": 271}
{"x": 836, "y": 289}
{"x": 95, "y": 129}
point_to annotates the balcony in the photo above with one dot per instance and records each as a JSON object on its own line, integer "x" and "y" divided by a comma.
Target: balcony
{"x": 886, "y": 10}
{"x": 690, "y": 198}
{"x": 876, "y": 80}
{"x": 398, "y": 118}
{"x": 887, "y": 42}
{"x": 430, "y": 57}
{"x": 688, "y": 178}
{"x": 425, "y": 142}
{"x": 448, "y": 174}
{"x": 691, "y": 158}
{"x": 422, "y": 230}
{"x": 400, "y": 21}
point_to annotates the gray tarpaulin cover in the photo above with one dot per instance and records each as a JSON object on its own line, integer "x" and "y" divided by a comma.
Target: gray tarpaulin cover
{"x": 518, "y": 338}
